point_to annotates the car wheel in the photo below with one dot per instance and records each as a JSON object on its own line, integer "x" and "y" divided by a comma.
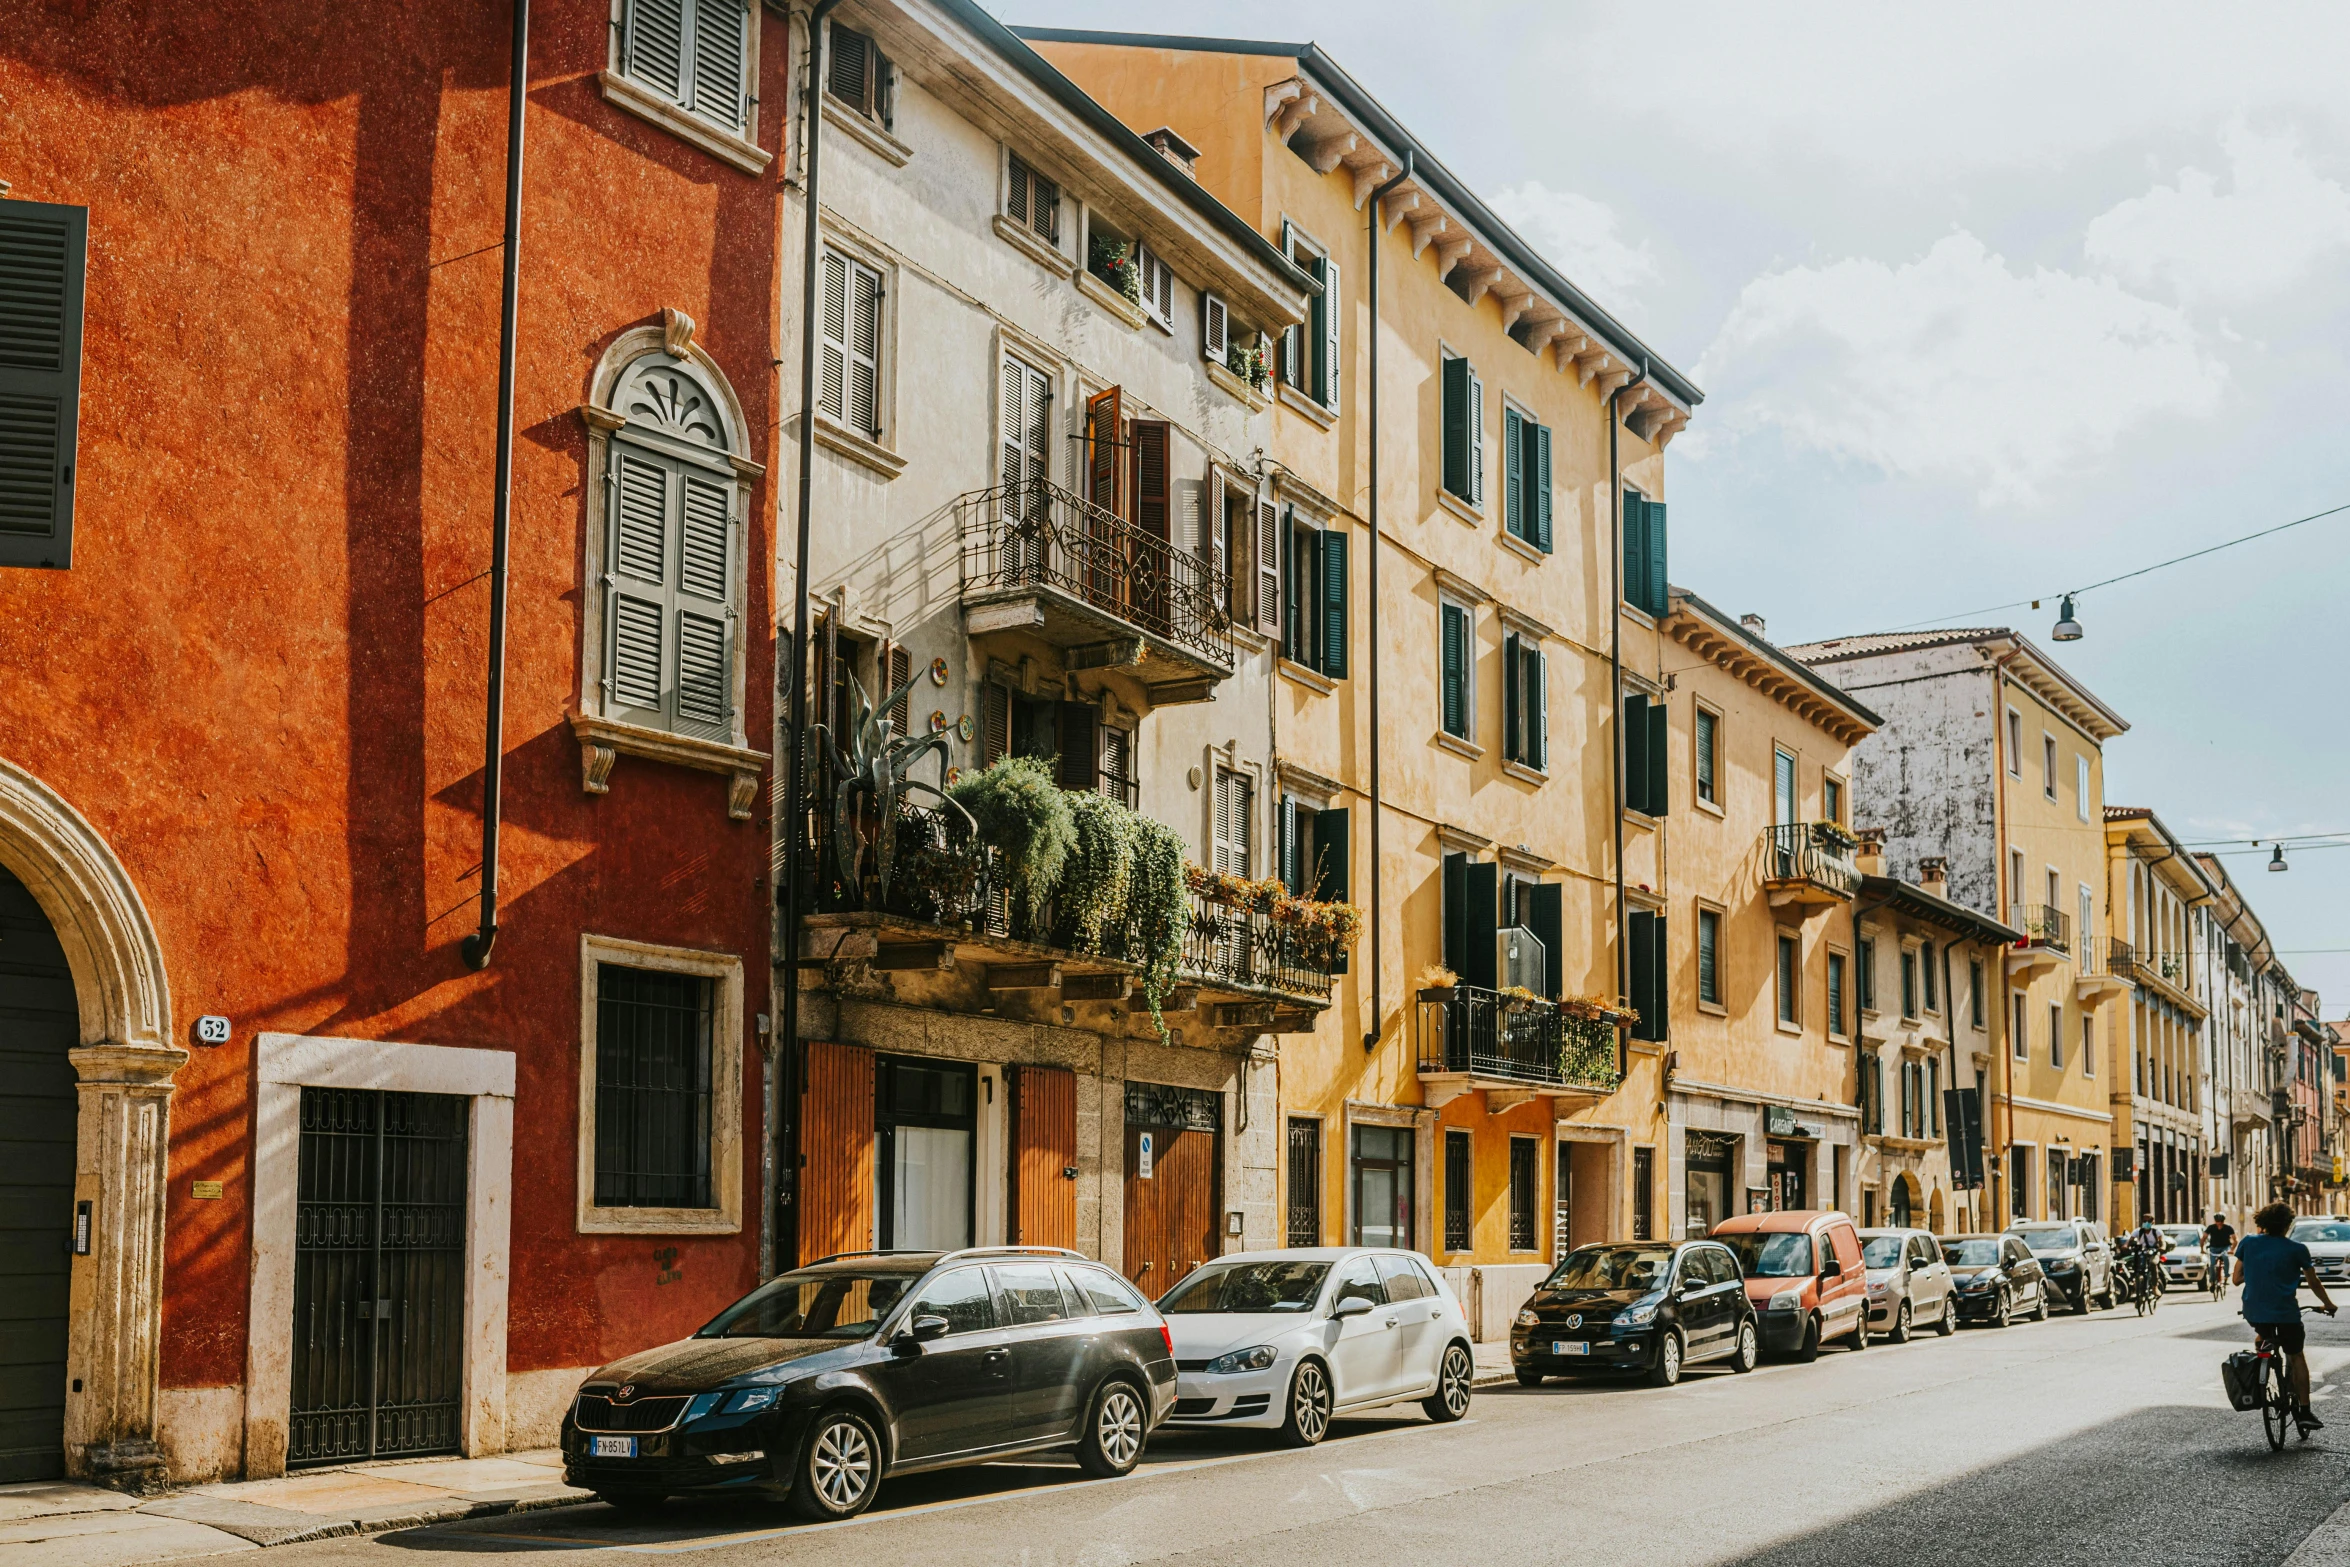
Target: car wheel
{"x": 2040, "y": 1304}
{"x": 1455, "y": 1379}
{"x": 1667, "y": 1369}
{"x": 1115, "y": 1432}
{"x": 839, "y": 1467}
{"x": 1309, "y": 1405}
{"x": 1949, "y": 1323}
{"x": 633, "y": 1504}
{"x": 1860, "y": 1327}
{"x": 1809, "y": 1349}
{"x": 1901, "y": 1327}
{"x": 1749, "y": 1349}
{"x": 2002, "y": 1310}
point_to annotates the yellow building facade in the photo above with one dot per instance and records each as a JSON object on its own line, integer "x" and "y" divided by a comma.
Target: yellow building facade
{"x": 1449, "y": 628}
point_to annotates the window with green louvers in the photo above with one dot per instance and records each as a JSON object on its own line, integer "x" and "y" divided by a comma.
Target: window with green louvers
{"x": 1464, "y": 432}
{"x": 1525, "y": 720}
{"x": 1455, "y": 679}
{"x": 1644, "y": 553}
{"x": 1646, "y": 733}
{"x": 694, "y": 53}
{"x": 1315, "y": 589}
{"x": 1649, "y": 967}
{"x": 1526, "y": 479}
{"x": 42, "y": 259}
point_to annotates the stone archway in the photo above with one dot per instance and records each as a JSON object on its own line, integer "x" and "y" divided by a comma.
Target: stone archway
{"x": 124, "y": 1064}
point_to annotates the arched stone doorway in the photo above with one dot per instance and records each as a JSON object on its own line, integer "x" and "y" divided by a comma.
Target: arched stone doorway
{"x": 1938, "y": 1214}
{"x": 1903, "y": 1207}
{"x": 122, "y": 1059}
{"x": 38, "y": 1030}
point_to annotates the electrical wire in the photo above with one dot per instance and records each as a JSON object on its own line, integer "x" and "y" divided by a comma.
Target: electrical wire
{"x": 2176, "y": 560}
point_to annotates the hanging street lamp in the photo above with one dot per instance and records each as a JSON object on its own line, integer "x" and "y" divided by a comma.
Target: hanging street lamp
{"x": 2068, "y": 629}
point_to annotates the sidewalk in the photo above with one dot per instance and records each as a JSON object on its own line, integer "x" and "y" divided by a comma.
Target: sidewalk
{"x": 63, "y": 1524}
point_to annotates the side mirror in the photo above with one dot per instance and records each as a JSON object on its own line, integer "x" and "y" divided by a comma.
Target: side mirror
{"x": 1830, "y": 1275}
{"x": 1352, "y": 1306}
{"x": 921, "y": 1331}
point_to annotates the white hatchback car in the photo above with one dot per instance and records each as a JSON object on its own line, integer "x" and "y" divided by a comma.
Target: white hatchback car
{"x": 1285, "y": 1340}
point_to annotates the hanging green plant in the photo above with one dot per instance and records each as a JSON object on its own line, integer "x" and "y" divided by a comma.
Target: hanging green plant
{"x": 1022, "y": 812}
{"x": 1158, "y": 911}
{"x": 1096, "y": 876}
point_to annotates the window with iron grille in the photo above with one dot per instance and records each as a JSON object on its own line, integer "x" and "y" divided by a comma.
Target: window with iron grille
{"x": 1458, "y": 1179}
{"x": 1305, "y": 1181}
{"x": 652, "y": 1088}
{"x": 1525, "y": 1172}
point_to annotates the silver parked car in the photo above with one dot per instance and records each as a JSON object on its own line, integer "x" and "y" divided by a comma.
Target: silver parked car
{"x": 2076, "y": 1256}
{"x": 1909, "y": 1283}
{"x": 2182, "y": 1253}
{"x": 2328, "y": 1240}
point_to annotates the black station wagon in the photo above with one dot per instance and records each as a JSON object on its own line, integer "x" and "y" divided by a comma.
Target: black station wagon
{"x": 822, "y": 1381}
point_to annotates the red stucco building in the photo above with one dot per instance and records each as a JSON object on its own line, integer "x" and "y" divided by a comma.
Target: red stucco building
{"x": 242, "y": 709}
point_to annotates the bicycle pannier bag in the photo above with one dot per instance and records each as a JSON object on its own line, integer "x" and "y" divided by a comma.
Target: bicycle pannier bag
{"x": 2240, "y": 1375}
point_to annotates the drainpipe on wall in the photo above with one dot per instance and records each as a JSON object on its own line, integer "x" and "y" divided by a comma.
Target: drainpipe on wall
{"x": 783, "y": 1131}
{"x": 2001, "y": 1200}
{"x": 1378, "y": 1003}
{"x": 476, "y": 947}
{"x": 1615, "y": 661}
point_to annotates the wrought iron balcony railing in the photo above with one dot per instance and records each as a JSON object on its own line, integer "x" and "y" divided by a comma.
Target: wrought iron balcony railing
{"x": 1484, "y": 1034}
{"x": 2121, "y": 958}
{"x": 1035, "y": 534}
{"x": 2043, "y": 927}
{"x": 1247, "y": 947}
{"x": 1816, "y": 855}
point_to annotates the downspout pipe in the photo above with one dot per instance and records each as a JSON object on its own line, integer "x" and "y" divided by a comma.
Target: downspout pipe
{"x": 1378, "y": 1001}
{"x": 476, "y": 946}
{"x": 1615, "y": 661}
{"x": 783, "y": 1128}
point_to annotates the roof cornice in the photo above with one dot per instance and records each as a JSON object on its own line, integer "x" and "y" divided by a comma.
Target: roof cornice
{"x": 1794, "y": 685}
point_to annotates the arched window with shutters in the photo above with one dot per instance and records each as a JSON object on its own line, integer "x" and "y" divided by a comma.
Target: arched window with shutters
{"x": 669, "y": 540}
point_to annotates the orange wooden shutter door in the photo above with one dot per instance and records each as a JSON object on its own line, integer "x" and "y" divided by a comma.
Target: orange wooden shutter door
{"x": 1044, "y": 1145}
{"x": 836, "y": 1141}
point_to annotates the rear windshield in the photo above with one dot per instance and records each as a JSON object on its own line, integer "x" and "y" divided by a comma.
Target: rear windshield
{"x": 1636, "y": 1268}
{"x": 812, "y": 1305}
{"x": 1782, "y": 1256}
{"x": 1883, "y": 1252}
{"x": 1248, "y": 1287}
{"x": 1979, "y": 1253}
{"x": 2048, "y": 1238}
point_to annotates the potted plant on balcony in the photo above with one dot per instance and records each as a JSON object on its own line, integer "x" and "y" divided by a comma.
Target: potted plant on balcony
{"x": 1831, "y": 835}
{"x": 1252, "y": 364}
{"x": 1113, "y": 261}
{"x": 1437, "y": 983}
{"x": 1018, "y": 807}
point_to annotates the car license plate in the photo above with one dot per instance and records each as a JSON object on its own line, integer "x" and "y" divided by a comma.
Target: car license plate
{"x": 615, "y": 1447}
{"x": 1569, "y": 1347}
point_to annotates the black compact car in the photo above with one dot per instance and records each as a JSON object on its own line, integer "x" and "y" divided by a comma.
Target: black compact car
{"x": 1637, "y": 1307}
{"x": 822, "y": 1381}
{"x": 1993, "y": 1277}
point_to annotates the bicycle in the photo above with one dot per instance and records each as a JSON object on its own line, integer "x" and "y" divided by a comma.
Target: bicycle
{"x": 2215, "y": 1275}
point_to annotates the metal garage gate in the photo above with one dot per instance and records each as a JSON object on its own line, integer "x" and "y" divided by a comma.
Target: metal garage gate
{"x": 379, "y": 1276}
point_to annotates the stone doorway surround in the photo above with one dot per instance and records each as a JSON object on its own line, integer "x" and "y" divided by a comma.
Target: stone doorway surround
{"x": 288, "y": 1063}
{"x": 124, "y": 1064}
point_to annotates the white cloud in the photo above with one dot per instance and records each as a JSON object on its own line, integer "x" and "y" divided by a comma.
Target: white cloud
{"x": 2277, "y": 219}
{"x": 1953, "y": 367}
{"x": 1578, "y": 235}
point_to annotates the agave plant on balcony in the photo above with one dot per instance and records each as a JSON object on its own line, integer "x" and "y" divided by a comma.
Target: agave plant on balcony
{"x": 874, "y": 770}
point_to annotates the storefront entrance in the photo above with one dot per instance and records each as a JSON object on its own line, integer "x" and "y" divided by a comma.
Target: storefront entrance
{"x": 1383, "y": 1193}
{"x": 1173, "y": 1189}
{"x": 1787, "y": 1175}
{"x": 1706, "y": 1158}
{"x": 926, "y": 1130}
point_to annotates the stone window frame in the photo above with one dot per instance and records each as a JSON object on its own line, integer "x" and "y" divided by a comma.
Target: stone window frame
{"x": 738, "y": 150}
{"x": 725, "y": 1215}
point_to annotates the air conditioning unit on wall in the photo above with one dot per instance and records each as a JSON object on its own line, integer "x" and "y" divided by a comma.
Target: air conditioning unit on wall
{"x": 1518, "y": 958}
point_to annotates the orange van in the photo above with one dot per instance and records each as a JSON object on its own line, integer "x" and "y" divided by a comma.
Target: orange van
{"x": 1804, "y": 1275}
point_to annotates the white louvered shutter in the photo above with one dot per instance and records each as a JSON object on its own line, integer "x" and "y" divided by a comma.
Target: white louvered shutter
{"x": 1332, "y": 312}
{"x": 653, "y": 44}
{"x": 1476, "y": 440}
{"x": 1215, "y": 329}
{"x": 670, "y": 595}
{"x": 637, "y": 559}
{"x": 1268, "y": 568}
{"x": 704, "y": 606}
{"x": 864, "y": 350}
{"x": 721, "y": 45}
{"x": 1212, "y": 550}
{"x": 833, "y": 359}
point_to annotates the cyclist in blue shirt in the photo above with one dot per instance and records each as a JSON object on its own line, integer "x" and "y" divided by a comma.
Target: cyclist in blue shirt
{"x": 2271, "y": 1268}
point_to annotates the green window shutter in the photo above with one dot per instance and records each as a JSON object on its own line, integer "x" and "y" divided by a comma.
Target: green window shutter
{"x": 1331, "y": 366}
{"x": 1634, "y": 747}
{"x": 1456, "y": 427}
{"x": 1660, "y": 980}
{"x": 636, "y": 556}
{"x": 1456, "y": 670}
{"x": 1080, "y": 761}
{"x": 1538, "y": 691}
{"x": 705, "y": 608}
{"x": 1660, "y": 794}
{"x": 1658, "y": 591}
{"x": 1513, "y": 476}
{"x": 1333, "y": 877}
{"x": 1545, "y": 917}
{"x": 1511, "y": 708}
{"x": 1334, "y": 605}
{"x": 653, "y": 46}
{"x": 44, "y": 252}
{"x": 721, "y": 42}
{"x": 1641, "y": 935}
{"x": 1456, "y": 913}
{"x": 1291, "y": 570}
{"x": 1484, "y": 888}
{"x": 1635, "y": 530}
{"x": 1285, "y": 830}
{"x": 1709, "y": 931}
{"x": 1476, "y": 494}
{"x": 1538, "y": 466}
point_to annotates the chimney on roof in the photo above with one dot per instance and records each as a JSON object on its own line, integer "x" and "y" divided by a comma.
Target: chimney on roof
{"x": 1934, "y": 875}
{"x": 1754, "y": 625}
{"x": 1175, "y": 150}
{"x": 1869, "y": 857}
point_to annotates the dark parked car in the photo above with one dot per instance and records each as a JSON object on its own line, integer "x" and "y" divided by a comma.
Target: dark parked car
{"x": 1994, "y": 1276}
{"x": 822, "y": 1381}
{"x": 1640, "y": 1307}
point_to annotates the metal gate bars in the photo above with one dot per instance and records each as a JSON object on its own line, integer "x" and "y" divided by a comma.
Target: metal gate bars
{"x": 379, "y": 1275}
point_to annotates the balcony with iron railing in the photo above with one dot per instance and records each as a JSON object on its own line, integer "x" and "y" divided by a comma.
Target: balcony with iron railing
{"x": 1808, "y": 865}
{"x": 1039, "y": 559}
{"x": 2094, "y": 967}
{"x": 1513, "y": 1048}
{"x": 2162, "y": 973}
{"x": 935, "y": 917}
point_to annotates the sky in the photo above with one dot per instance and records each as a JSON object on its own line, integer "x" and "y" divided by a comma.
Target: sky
{"x": 1988, "y": 302}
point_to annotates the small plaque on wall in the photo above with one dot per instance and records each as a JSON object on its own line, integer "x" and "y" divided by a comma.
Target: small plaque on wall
{"x": 205, "y": 1191}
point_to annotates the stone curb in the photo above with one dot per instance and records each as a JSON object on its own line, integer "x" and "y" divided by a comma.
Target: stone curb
{"x": 271, "y": 1526}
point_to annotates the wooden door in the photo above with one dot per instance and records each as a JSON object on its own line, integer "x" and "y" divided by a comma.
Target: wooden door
{"x": 39, "y": 1024}
{"x": 1044, "y": 1156}
{"x": 836, "y": 1151}
{"x": 1171, "y": 1215}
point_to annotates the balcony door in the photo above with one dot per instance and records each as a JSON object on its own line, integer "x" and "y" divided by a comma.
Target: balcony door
{"x": 1027, "y": 463}
{"x": 1783, "y": 809}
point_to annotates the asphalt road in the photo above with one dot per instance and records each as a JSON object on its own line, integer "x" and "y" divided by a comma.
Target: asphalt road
{"x": 2097, "y": 1440}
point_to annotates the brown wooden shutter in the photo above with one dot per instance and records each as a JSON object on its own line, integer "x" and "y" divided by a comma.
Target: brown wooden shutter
{"x": 836, "y": 1145}
{"x": 1103, "y": 417}
{"x": 995, "y": 702}
{"x": 1044, "y": 1150}
{"x": 1268, "y": 573}
{"x": 1080, "y": 763}
{"x": 901, "y": 669}
{"x": 1152, "y": 496}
